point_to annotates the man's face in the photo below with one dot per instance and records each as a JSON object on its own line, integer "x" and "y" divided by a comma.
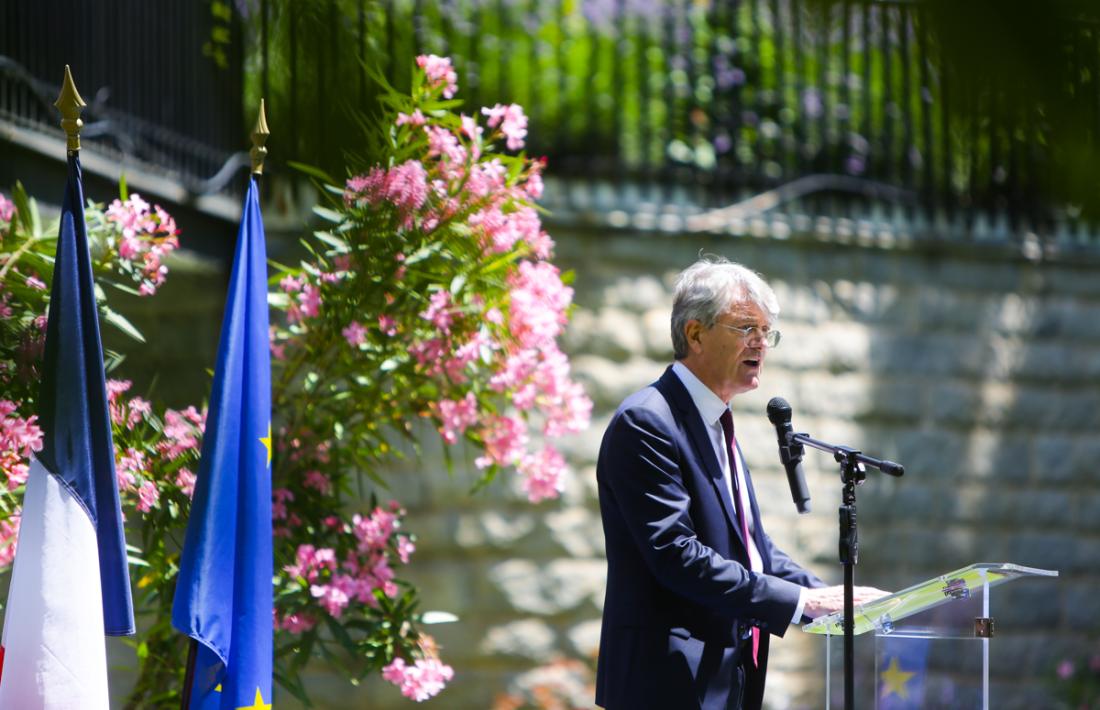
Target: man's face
{"x": 731, "y": 362}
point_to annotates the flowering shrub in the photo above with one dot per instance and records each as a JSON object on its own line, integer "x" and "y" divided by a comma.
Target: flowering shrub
{"x": 429, "y": 296}
{"x": 1078, "y": 682}
{"x": 118, "y": 236}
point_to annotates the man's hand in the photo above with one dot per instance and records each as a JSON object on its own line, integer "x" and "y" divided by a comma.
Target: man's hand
{"x": 826, "y": 600}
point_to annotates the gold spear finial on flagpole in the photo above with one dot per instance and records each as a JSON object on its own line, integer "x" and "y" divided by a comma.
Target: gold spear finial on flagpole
{"x": 69, "y": 104}
{"x": 259, "y": 137}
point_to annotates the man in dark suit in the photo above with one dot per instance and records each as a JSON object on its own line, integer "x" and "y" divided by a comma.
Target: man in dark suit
{"x": 694, "y": 585}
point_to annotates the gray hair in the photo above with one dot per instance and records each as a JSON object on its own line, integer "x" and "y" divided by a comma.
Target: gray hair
{"x": 710, "y": 287}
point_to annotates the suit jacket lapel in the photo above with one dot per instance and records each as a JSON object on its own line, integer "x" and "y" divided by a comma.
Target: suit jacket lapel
{"x": 677, "y": 395}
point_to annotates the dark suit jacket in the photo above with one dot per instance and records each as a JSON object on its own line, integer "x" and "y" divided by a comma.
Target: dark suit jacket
{"x": 681, "y": 599}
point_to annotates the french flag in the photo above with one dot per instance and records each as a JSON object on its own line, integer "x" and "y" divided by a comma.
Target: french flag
{"x": 69, "y": 583}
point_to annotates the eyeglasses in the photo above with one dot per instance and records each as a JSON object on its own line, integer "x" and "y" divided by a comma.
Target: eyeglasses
{"x": 753, "y": 332}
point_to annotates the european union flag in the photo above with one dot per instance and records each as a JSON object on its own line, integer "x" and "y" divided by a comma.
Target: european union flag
{"x": 902, "y": 672}
{"x": 224, "y": 591}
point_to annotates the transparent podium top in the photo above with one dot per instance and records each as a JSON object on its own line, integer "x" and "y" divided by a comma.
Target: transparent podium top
{"x": 882, "y": 613}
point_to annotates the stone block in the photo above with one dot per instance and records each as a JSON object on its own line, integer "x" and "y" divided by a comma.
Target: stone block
{"x": 930, "y": 454}
{"x": 608, "y": 382}
{"x": 548, "y": 589}
{"x": 638, "y": 294}
{"x": 1081, "y": 605}
{"x": 531, "y": 639}
{"x": 996, "y": 455}
{"x": 1054, "y": 460}
{"x": 941, "y": 310}
{"x": 584, "y": 638}
{"x": 656, "y": 329}
{"x": 493, "y": 530}
{"x": 578, "y": 531}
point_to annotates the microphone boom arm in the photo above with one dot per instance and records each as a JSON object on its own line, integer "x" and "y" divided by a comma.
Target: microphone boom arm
{"x": 842, "y": 453}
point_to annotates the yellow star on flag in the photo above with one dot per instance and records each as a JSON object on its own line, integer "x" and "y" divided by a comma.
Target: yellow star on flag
{"x": 894, "y": 680}
{"x": 266, "y": 441}
{"x": 258, "y": 703}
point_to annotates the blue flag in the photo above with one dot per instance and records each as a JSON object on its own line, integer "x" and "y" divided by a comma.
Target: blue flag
{"x": 902, "y": 672}
{"x": 70, "y": 584}
{"x": 224, "y": 591}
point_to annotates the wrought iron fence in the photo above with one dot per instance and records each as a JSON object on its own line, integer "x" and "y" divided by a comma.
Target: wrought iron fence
{"x": 842, "y": 108}
{"x": 163, "y": 81}
{"x": 726, "y": 99}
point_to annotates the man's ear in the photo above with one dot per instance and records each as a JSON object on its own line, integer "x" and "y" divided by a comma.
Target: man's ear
{"x": 693, "y": 332}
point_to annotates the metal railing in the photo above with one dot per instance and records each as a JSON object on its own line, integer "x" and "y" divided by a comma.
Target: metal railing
{"x": 710, "y": 102}
{"x": 162, "y": 81}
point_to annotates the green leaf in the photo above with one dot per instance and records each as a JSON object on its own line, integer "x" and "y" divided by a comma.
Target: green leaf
{"x": 438, "y": 617}
{"x": 118, "y": 321}
{"x": 326, "y": 214}
{"x": 312, "y": 172}
{"x": 123, "y": 192}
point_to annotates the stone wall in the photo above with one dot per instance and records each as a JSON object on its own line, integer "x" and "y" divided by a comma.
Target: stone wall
{"x": 977, "y": 369}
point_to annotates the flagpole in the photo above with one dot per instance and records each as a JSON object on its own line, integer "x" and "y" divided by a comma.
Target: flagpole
{"x": 257, "y": 154}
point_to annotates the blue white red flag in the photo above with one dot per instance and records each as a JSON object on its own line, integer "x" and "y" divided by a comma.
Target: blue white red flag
{"x": 70, "y": 584}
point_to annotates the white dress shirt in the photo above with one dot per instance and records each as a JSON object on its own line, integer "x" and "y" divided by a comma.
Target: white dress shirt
{"x": 710, "y": 410}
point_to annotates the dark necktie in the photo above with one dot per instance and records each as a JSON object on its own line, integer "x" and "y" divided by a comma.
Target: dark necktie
{"x": 731, "y": 452}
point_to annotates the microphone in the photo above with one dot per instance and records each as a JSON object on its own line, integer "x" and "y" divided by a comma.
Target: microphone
{"x": 790, "y": 453}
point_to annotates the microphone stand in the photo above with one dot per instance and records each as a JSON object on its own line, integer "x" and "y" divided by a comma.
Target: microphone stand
{"x": 852, "y": 473}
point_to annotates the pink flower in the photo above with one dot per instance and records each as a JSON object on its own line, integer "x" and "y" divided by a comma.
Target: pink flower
{"x": 185, "y": 480}
{"x": 280, "y": 496}
{"x": 387, "y": 325}
{"x": 504, "y": 439}
{"x": 440, "y": 310}
{"x": 180, "y": 432}
{"x": 9, "y": 535}
{"x": 538, "y": 303}
{"x": 289, "y": 284}
{"x": 318, "y": 481}
{"x": 1065, "y": 669}
{"x": 405, "y": 547}
{"x": 35, "y": 282}
{"x": 423, "y": 680}
{"x": 414, "y": 119}
{"x": 295, "y": 623}
{"x": 512, "y": 123}
{"x": 542, "y": 474}
{"x": 310, "y": 299}
{"x": 128, "y": 467}
{"x": 373, "y": 532}
{"x": 148, "y": 496}
{"x": 455, "y": 416}
{"x": 331, "y": 597}
{"x": 7, "y": 209}
{"x": 444, "y": 145}
{"x": 470, "y": 128}
{"x": 440, "y": 73}
{"x": 139, "y": 409}
{"x": 355, "y": 334}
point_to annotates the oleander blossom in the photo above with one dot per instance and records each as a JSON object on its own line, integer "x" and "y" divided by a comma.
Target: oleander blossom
{"x": 7, "y": 209}
{"x": 145, "y": 235}
{"x": 19, "y": 438}
{"x": 440, "y": 73}
{"x": 421, "y": 680}
{"x": 511, "y": 121}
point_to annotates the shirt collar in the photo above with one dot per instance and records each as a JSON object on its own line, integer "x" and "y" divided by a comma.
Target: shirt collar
{"x": 709, "y": 405}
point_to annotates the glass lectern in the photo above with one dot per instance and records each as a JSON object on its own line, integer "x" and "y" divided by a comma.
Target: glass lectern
{"x": 931, "y": 642}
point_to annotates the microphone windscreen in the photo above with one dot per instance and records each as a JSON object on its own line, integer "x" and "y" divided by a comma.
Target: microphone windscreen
{"x": 778, "y": 410}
